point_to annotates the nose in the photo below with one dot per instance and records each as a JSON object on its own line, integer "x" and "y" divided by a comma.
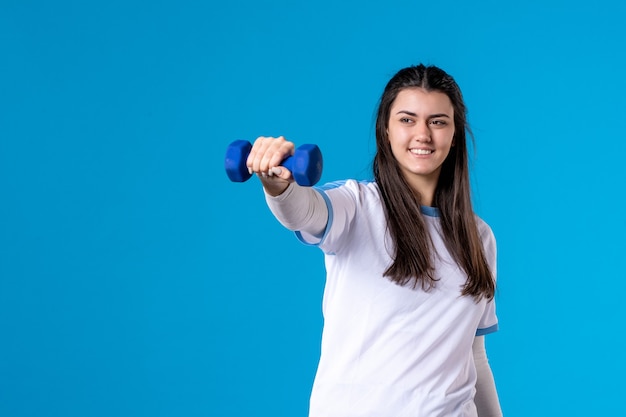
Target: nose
{"x": 422, "y": 132}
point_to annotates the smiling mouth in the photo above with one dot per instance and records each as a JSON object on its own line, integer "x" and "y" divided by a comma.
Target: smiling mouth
{"x": 421, "y": 151}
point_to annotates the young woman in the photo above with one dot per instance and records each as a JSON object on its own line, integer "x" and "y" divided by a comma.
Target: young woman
{"x": 411, "y": 269}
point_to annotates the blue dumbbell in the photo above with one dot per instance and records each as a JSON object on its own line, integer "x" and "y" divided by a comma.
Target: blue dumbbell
{"x": 305, "y": 164}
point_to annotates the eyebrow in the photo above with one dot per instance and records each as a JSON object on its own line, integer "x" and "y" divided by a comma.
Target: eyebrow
{"x": 429, "y": 117}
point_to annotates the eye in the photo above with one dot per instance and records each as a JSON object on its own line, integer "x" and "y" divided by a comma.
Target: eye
{"x": 406, "y": 120}
{"x": 439, "y": 122}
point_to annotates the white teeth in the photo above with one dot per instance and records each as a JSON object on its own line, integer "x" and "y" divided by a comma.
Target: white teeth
{"x": 422, "y": 151}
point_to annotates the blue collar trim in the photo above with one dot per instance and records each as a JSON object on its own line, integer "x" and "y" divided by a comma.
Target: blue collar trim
{"x": 430, "y": 211}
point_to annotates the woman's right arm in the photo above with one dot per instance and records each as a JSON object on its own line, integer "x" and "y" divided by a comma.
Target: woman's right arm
{"x": 295, "y": 207}
{"x": 300, "y": 208}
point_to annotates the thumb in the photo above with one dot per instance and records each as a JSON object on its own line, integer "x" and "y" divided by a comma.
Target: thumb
{"x": 282, "y": 172}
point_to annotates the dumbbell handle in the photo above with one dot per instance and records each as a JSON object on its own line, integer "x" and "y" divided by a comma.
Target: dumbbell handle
{"x": 305, "y": 164}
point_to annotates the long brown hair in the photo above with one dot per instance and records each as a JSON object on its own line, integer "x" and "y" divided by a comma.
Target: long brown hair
{"x": 413, "y": 258}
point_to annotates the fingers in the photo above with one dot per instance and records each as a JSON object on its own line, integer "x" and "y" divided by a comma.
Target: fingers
{"x": 266, "y": 155}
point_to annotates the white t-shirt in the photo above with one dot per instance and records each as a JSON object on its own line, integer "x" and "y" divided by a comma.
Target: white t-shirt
{"x": 389, "y": 350}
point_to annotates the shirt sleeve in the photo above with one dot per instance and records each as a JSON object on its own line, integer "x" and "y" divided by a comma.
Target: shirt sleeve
{"x": 489, "y": 321}
{"x": 342, "y": 199}
{"x": 300, "y": 208}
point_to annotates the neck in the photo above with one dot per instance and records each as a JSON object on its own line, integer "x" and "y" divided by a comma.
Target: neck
{"x": 424, "y": 187}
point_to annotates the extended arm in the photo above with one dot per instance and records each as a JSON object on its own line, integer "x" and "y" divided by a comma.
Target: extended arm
{"x": 486, "y": 400}
{"x": 296, "y": 207}
{"x": 300, "y": 208}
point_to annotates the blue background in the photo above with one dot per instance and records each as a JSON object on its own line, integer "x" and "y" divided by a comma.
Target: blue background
{"x": 136, "y": 280}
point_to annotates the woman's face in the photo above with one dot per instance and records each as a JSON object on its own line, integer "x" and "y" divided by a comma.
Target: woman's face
{"x": 421, "y": 132}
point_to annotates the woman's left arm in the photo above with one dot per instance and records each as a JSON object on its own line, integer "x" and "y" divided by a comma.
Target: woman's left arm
{"x": 486, "y": 400}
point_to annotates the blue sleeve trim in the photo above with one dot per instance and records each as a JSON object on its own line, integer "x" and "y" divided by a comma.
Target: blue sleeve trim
{"x": 330, "y": 222}
{"x": 492, "y": 329}
{"x": 330, "y": 185}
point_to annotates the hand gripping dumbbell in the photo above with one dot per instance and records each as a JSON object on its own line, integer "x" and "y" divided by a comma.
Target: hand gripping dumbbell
{"x": 305, "y": 164}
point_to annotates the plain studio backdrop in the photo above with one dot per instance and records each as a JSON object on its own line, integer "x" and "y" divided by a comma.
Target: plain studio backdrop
{"x": 137, "y": 280}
